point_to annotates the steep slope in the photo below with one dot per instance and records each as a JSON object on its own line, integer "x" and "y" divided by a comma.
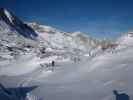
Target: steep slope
{"x": 60, "y": 40}
{"x": 9, "y": 22}
{"x": 75, "y": 42}
{"x": 16, "y": 37}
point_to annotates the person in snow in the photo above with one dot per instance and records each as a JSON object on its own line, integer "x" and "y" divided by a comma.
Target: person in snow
{"x": 120, "y": 96}
{"x": 53, "y": 64}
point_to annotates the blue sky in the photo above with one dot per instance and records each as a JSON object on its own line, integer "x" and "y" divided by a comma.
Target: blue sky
{"x": 99, "y": 18}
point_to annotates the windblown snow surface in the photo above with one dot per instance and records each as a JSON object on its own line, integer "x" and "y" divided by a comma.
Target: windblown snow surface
{"x": 93, "y": 79}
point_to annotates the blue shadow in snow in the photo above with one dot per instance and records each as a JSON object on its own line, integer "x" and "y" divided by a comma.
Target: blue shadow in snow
{"x": 120, "y": 96}
{"x": 17, "y": 93}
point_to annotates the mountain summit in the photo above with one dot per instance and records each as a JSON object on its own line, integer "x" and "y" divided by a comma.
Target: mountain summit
{"x": 9, "y": 22}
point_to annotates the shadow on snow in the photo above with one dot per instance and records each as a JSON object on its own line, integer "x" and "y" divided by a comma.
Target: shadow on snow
{"x": 17, "y": 93}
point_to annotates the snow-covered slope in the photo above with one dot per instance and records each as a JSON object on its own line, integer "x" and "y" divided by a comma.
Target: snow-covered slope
{"x": 63, "y": 40}
{"x": 10, "y": 23}
{"x": 75, "y": 41}
{"x": 93, "y": 79}
{"x": 84, "y": 67}
{"x": 17, "y": 38}
{"x": 126, "y": 40}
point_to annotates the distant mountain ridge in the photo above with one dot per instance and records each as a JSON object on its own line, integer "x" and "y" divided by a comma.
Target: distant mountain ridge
{"x": 61, "y": 40}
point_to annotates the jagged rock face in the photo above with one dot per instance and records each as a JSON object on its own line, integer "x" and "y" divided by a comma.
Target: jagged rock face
{"x": 15, "y": 35}
{"x": 15, "y": 24}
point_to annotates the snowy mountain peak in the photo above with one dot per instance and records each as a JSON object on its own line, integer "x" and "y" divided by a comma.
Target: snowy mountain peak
{"x": 77, "y": 33}
{"x": 42, "y": 28}
{"x": 10, "y": 17}
{"x": 13, "y": 23}
{"x": 6, "y": 15}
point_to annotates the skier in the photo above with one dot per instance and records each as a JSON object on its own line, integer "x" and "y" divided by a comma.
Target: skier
{"x": 53, "y": 64}
{"x": 121, "y": 96}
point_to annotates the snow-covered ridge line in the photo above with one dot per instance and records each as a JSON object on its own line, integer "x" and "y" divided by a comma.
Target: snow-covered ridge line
{"x": 8, "y": 15}
{"x": 13, "y": 23}
{"x": 73, "y": 40}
